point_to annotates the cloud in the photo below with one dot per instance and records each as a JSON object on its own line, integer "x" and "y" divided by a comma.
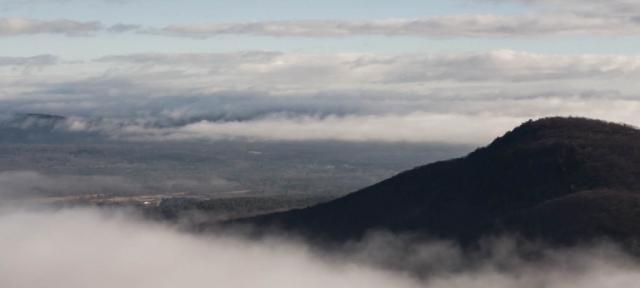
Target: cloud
{"x": 31, "y": 184}
{"x": 222, "y": 95}
{"x": 27, "y": 185}
{"x": 473, "y": 122}
{"x": 595, "y": 19}
{"x": 498, "y": 65}
{"x": 66, "y": 27}
{"x": 88, "y": 248}
{"x": 22, "y": 26}
{"x": 475, "y": 119}
{"x": 28, "y": 65}
{"x": 197, "y": 59}
{"x": 38, "y": 60}
{"x": 547, "y": 18}
{"x": 122, "y": 28}
{"x": 135, "y": 254}
{"x": 587, "y": 7}
{"x": 386, "y": 128}
{"x": 480, "y": 25}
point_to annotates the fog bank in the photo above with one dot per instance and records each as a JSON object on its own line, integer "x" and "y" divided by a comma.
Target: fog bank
{"x": 89, "y": 248}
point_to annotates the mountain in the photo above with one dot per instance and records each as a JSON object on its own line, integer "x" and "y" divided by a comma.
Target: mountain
{"x": 557, "y": 179}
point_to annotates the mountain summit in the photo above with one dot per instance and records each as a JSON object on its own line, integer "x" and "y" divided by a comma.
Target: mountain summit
{"x": 557, "y": 179}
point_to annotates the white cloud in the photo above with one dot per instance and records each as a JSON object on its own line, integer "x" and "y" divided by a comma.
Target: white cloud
{"x": 596, "y": 19}
{"x": 81, "y": 248}
{"x": 38, "y": 60}
{"x": 20, "y": 26}
{"x": 548, "y": 17}
{"x": 75, "y": 248}
{"x": 326, "y": 96}
{"x": 480, "y": 25}
{"x": 416, "y": 127}
{"x": 468, "y": 122}
{"x": 587, "y": 7}
{"x": 499, "y": 65}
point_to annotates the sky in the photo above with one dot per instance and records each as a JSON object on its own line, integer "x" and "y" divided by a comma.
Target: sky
{"x": 456, "y": 71}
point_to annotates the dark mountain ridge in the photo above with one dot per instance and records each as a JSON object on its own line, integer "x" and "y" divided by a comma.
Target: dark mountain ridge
{"x": 38, "y": 128}
{"x": 556, "y": 179}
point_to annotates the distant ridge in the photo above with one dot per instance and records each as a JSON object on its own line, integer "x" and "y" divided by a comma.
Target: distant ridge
{"x": 38, "y": 128}
{"x": 37, "y": 119}
{"x": 562, "y": 180}
{"x": 43, "y": 116}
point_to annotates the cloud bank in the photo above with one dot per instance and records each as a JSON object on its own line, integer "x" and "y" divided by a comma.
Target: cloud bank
{"x": 22, "y": 26}
{"x": 82, "y": 248}
{"x": 417, "y": 127}
{"x": 589, "y": 7}
{"x": 270, "y": 95}
{"x": 498, "y": 65}
{"x": 543, "y": 18}
{"x": 441, "y": 26}
{"x": 38, "y": 60}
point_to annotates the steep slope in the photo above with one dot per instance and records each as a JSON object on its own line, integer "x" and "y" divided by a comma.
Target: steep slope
{"x": 518, "y": 183}
{"x": 587, "y": 215}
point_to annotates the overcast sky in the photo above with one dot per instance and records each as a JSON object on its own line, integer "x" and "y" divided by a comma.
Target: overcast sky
{"x": 458, "y": 71}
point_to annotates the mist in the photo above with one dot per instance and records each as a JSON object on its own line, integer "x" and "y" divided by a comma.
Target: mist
{"x": 115, "y": 248}
{"x": 29, "y": 184}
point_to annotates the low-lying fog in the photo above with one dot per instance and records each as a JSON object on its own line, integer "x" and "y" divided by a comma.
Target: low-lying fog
{"x": 82, "y": 248}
